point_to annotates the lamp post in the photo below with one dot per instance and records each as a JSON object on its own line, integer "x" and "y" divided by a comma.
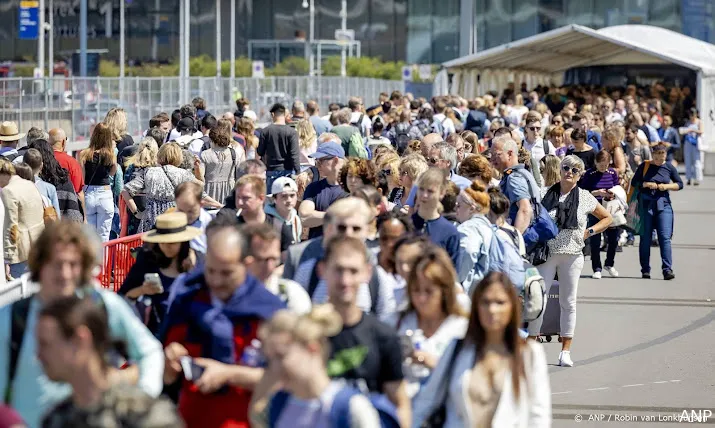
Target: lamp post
{"x": 343, "y": 54}
{"x": 310, "y": 5}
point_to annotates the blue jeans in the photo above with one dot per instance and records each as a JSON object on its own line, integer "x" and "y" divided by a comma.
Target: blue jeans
{"x": 693, "y": 165}
{"x": 17, "y": 269}
{"x": 99, "y": 202}
{"x": 662, "y": 223}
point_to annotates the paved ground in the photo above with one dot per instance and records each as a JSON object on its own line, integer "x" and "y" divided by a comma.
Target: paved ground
{"x": 645, "y": 348}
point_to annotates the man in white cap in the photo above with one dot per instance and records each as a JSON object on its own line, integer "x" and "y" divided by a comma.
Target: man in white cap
{"x": 9, "y": 138}
{"x": 282, "y": 213}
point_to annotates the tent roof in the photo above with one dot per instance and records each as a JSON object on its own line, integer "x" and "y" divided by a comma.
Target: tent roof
{"x": 577, "y": 46}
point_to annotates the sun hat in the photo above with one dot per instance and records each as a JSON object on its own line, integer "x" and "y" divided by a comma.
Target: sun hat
{"x": 171, "y": 228}
{"x": 283, "y": 184}
{"x": 9, "y": 132}
{"x": 328, "y": 150}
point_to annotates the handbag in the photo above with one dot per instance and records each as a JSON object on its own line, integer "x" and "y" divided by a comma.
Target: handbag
{"x": 438, "y": 417}
{"x": 634, "y": 220}
{"x": 616, "y": 210}
{"x": 542, "y": 228}
{"x": 49, "y": 213}
{"x": 539, "y": 254}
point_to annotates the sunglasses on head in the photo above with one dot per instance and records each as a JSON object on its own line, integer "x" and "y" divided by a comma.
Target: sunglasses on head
{"x": 573, "y": 170}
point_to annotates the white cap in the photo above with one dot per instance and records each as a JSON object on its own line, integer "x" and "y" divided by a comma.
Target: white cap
{"x": 282, "y": 184}
{"x": 250, "y": 114}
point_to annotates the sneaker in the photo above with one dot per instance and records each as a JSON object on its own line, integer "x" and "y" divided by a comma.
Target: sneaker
{"x": 654, "y": 243}
{"x": 697, "y": 183}
{"x": 668, "y": 275}
{"x": 565, "y": 359}
{"x": 619, "y": 249}
{"x": 646, "y": 275}
{"x": 611, "y": 271}
{"x": 596, "y": 275}
{"x": 689, "y": 182}
{"x": 630, "y": 242}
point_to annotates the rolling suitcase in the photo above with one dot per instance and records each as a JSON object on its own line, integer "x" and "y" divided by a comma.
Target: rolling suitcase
{"x": 552, "y": 315}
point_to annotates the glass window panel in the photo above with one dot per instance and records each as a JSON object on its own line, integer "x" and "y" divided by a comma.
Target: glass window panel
{"x": 419, "y": 31}
{"x": 497, "y": 22}
{"x": 525, "y": 21}
{"x": 445, "y": 30}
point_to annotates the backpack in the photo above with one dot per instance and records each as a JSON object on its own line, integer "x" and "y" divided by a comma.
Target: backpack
{"x": 359, "y": 126}
{"x": 438, "y": 126}
{"x": 424, "y": 127}
{"x": 11, "y": 156}
{"x": 373, "y": 284}
{"x": 402, "y": 137}
{"x": 340, "y": 408}
{"x": 504, "y": 257}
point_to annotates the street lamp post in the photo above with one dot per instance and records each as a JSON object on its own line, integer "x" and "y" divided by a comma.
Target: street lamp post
{"x": 344, "y": 19}
{"x": 311, "y": 36}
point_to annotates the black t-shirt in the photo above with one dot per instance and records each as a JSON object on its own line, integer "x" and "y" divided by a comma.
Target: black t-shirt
{"x": 322, "y": 194}
{"x": 588, "y": 157}
{"x": 126, "y": 141}
{"x": 369, "y": 350}
{"x": 278, "y": 148}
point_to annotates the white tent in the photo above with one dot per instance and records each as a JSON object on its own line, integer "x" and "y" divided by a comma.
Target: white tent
{"x": 543, "y": 58}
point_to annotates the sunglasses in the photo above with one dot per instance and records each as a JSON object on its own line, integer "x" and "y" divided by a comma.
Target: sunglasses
{"x": 343, "y": 228}
{"x": 387, "y": 171}
{"x": 574, "y": 170}
{"x": 534, "y": 128}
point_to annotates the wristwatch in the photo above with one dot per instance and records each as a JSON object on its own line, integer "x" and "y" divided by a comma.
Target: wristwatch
{"x": 591, "y": 232}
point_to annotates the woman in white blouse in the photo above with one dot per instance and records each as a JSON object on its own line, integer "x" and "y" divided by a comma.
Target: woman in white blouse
{"x": 492, "y": 378}
{"x": 433, "y": 317}
{"x": 569, "y": 206}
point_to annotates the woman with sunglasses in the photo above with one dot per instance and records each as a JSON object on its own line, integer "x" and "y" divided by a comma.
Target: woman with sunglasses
{"x": 433, "y": 316}
{"x": 492, "y": 378}
{"x": 569, "y": 206}
{"x": 656, "y": 179}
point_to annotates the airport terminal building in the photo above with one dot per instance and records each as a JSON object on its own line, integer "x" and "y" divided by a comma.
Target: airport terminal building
{"x": 415, "y": 31}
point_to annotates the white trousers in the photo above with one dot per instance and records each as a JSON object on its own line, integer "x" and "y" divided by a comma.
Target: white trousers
{"x": 569, "y": 267}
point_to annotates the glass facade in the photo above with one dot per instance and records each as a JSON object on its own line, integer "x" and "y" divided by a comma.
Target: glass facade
{"x": 418, "y": 31}
{"x": 153, "y": 26}
{"x": 433, "y": 25}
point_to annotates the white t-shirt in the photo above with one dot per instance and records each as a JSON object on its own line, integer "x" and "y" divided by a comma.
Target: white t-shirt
{"x": 292, "y": 293}
{"x": 446, "y": 122}
{"x": 538, "y": 148}
{"x": 366, "y": 123}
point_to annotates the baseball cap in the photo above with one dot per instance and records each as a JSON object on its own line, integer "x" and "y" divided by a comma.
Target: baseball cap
{"x": 328, "y": 150}
{"x": 250, "y": 114}
{"x": 282, "y": 184}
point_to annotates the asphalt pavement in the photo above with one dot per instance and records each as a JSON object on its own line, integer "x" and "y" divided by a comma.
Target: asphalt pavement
{"x": 644, "y": 350}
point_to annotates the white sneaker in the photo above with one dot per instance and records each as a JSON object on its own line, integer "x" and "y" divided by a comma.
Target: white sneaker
{"x": 596, "y": 275}
{"x": 565, "y": 359}
{"x": 611, "y": 271}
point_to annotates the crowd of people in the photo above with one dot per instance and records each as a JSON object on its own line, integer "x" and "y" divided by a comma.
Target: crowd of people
{"x": 375, "y": 266}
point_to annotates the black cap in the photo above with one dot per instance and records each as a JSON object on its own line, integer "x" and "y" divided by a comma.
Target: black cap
{"x": 186, "y": 124}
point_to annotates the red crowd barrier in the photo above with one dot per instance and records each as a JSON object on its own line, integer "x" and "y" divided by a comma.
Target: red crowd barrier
{"x": 118, "y": 259}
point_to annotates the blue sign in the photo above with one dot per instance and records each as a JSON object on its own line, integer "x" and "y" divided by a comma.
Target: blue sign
{"x": 29, "y": 20}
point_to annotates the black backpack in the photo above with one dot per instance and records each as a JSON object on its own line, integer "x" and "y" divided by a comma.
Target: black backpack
{"x": 402, "y": 137}
{"x": 11, "y": 156}
{"x": 373, "y": 285}
{"x": 358, "y": 125}
{"x": 424, "y": 127}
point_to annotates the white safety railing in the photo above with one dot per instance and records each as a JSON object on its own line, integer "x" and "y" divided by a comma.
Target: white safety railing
{"x": 77, "y": 104}
{"x": 17, "y": 289}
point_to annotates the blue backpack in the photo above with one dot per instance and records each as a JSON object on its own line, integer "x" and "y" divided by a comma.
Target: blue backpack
{"x": 504, "y": 257}
{"x": 340, "y": 409}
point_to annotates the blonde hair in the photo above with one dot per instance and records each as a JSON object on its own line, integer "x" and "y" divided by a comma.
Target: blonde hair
{"x": 146, "y": 154}
{"x": 551, "y": 170}
{"x": 255, "y": 181}
{"x": 318, "y": 325}
{"x": 6, "y": 167}
{"x": 414, "y": 165}
{"x": 116, "y": 120}
{"x": 306, "y": 134}
{"x": 347, "y": 207}
{"x": 433, "y": 177}
{"x": 245, "y": 127}
{"x": 170, "y": 154}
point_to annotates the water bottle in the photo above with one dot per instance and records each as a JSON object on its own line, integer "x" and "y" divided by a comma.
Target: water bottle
{"x": 419, "y": 369}
{"x": 252, "y": 355}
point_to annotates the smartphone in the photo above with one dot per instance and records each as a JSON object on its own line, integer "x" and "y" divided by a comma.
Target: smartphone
{"x": 154, "y": 279}
{"x": 192, "y": 371}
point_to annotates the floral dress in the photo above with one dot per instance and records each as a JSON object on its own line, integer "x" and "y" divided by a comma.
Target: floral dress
{"x": 158, "y": 184}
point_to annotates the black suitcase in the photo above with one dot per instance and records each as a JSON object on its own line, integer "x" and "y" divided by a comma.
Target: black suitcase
{"x": 552, "y": 315}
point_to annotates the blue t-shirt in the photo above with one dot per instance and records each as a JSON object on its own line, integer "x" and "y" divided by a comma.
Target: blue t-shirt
{"x": 320, "y": 125}
{"x": 322, "y": 194}
{"x": 443, "y": 233}
{"x": 663, "y": 174}
{"x": 515, "y": 186}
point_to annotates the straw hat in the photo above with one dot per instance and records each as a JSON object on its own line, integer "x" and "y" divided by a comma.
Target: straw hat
{"x": 9, "y": 132}
{"x": 171, "y": 228}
